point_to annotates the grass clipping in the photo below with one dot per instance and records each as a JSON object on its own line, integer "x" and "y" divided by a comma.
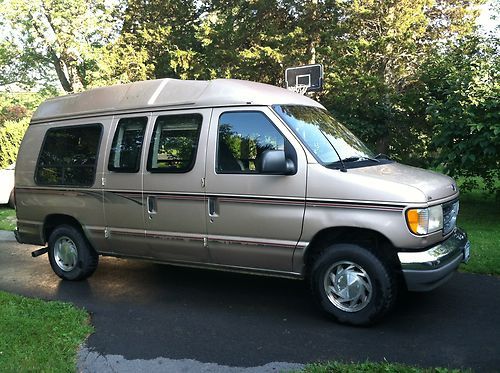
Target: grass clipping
{"x": 36, "y": 335}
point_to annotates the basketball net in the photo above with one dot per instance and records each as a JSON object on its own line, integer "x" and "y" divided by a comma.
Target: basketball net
{"x": 301, "y": 89}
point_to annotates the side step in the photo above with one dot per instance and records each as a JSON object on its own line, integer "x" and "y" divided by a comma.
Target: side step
{"x": 43, "y": 250}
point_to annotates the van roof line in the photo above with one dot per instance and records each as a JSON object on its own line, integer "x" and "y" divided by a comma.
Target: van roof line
{"x": 155, "y": 94}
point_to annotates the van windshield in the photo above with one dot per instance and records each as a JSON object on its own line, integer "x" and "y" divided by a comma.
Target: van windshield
{"x": 326, "y": 138}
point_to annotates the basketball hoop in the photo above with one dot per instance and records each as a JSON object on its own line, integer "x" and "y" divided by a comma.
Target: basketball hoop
{"x": 302, "y": 79}
{"x": 301, "y": 89}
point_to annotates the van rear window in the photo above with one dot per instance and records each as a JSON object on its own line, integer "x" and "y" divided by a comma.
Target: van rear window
{"x": 69, "y": 156}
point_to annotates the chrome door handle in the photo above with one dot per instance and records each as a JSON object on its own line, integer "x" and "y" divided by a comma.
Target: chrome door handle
{"x": 151, "y": 205}
{"x": 212, "y": 207}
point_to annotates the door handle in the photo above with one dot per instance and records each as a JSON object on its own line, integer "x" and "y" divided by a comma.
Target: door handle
{"x": 152, "y": 205}
{"x": 212, "y": 207}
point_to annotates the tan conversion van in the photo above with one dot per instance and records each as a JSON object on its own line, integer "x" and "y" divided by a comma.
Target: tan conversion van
{"x": 232, "y": 175}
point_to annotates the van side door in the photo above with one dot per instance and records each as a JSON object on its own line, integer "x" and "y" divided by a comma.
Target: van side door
{"x": 123, "y": 201}
{"x": 254, "y": 218}
{"x": 174, "y": 196}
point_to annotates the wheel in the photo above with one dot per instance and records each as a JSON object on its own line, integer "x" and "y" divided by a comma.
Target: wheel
{"x": 352, "y": 284}
{"x": 12, "y": 202}
{"x": 71, "y": 256}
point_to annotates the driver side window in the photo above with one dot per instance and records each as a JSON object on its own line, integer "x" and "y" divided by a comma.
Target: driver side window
{"x": 242, "y": 139}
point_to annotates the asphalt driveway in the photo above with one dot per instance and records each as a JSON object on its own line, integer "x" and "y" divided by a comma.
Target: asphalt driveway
{"x": 144, "y": 311}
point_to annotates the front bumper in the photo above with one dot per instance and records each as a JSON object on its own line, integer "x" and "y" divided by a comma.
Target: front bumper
{"x": 426, "y": 270}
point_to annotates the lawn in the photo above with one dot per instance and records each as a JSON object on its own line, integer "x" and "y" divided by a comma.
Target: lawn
{"x": 336, "y": 367}
{"x": 479, "y": 216}
{"x": 40, "y": 336}
{"x": 7, "y": 219}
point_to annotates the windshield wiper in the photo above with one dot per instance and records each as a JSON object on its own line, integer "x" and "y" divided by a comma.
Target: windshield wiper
{"x": 356, "y": 158}
{"x": 382, "y": 156}
{"x": 353, "y": 158}
{"x": 350, "y": 159}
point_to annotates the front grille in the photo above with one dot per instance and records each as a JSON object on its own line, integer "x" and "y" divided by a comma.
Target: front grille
{"x": 450, "y": 213}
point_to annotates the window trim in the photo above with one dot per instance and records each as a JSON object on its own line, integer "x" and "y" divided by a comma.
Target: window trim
{"x": 216, "y": 164}
{"x": 149, "y": 162}
{"x": 128, "y": 170}
{"x": 97, "y": 124}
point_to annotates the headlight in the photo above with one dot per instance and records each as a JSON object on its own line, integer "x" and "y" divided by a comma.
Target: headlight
{"x": 424, "y": 221}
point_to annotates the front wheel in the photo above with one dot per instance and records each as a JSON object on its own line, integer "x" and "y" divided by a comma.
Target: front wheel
{"x": 71, "y": 256}
{"x": 352, "y": 284}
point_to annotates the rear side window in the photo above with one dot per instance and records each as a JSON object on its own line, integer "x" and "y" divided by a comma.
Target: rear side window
{"x": 125, "y": 155}
{"x": 174, "y": 143}
{"x": 69, "y": 156}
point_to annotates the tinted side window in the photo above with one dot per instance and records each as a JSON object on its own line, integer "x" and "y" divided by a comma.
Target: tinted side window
{"x": 126, "y": 149}
{"x": 174, "y": 143}
{"x": 69, "y": 156}
{"x": 242, "y": 138}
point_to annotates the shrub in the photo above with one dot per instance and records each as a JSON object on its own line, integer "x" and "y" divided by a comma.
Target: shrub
{"x": 11, "y": 135}
{"x": 13, "y": 113}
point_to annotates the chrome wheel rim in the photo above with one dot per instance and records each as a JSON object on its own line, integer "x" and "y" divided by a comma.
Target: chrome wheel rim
{"x": 65, "y": 253}
{"x": 348, "y": 286}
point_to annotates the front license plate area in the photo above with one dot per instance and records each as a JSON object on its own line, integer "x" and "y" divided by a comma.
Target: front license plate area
{"x": 466, "y": 252}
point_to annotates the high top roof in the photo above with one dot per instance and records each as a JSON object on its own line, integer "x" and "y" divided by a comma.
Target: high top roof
{"x": 163, "y": 93}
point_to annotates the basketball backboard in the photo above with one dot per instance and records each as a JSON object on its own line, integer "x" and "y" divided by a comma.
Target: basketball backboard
{"x": 301, "y": 79}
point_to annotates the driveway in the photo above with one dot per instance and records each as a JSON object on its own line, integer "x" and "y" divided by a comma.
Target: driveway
{"x": 142, "y": 310}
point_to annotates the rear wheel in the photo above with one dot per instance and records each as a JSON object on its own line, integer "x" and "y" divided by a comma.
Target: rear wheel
{"x": 352, "y": 284}
{"x": 71, "y": 256}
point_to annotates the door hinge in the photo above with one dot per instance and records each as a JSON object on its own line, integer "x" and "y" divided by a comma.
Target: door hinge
{"x": 106, "y": 232}
{"x": 203, "y": 182}
{"x": 103, "y": 181}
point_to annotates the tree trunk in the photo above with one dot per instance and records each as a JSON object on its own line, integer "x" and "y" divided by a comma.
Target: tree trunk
{"x": 382, "y": 144}
{"x": 59, "y": 66}
{"x": 313, "y": 37}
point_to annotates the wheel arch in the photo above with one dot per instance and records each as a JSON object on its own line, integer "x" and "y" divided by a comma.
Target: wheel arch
{"x": 53, "y": 221}
{"x": 369, "y": 239}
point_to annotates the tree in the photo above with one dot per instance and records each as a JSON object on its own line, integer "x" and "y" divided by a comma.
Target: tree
{"x": 258, "y": 40}
{"x": 463, "y": 107}
{"x": 371, "y": 81}
{"x": 61, "y": 39}
{"x": 161, "y": 35}
{"x": 245, "y": 40}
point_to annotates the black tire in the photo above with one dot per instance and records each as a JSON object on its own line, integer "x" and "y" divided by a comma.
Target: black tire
{"x": 371, "y": 301}
{"x": 12, "y": 203}
{"x": 80, "y": 265}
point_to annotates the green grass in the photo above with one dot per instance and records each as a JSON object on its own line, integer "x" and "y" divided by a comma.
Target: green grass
{"x": 479, "y": 216}
{"x": 7, "y": 219}
{"x": 36, "y": 335}
{"x": 336, "y": 367}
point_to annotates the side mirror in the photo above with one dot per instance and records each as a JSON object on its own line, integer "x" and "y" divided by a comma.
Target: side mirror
{"x": 274, "y": 162}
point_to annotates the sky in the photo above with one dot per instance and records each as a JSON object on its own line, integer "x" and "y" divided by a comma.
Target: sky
{"x": 485, "y": 21}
